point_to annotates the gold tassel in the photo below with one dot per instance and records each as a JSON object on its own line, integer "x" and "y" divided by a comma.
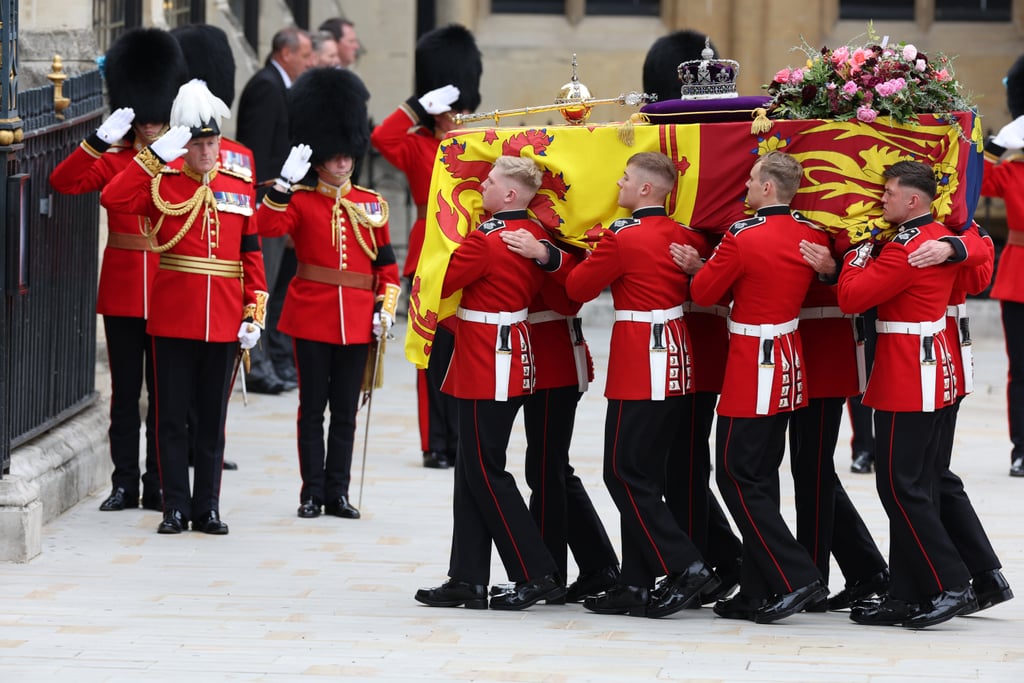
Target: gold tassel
{"x": 761, "y": 124}
{"x": 627, "y": 135}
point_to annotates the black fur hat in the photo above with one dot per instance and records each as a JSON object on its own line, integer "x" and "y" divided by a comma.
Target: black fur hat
{"x": 327, "y": 111}
{"x": 661, "y": 75}
{"x": 449, "y": 55}
{"x": 1015, "y": 88}
{"x": 144, "y": 68}
{"x": 209, "y": 58}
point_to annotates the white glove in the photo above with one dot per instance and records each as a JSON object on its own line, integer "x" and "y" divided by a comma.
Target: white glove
{"x": 296, "y": 166}
{"x": 248, "y": 335}
{"x": 116, "y": 126}
{"x": 439, "y": 100}
{"x": 171, "y": 144}
{"x": 378, "y": 326}
{"x": 1011, "y": 136}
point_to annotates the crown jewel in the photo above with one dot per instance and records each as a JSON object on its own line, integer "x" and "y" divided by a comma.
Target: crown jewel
{"x": 708, "y": 78}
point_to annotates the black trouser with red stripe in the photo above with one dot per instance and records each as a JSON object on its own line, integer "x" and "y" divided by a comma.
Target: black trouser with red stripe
{"x": 957, "y": 512}
{"x": 129, "y": 353}
{"x": 559, "y": 503}
{"x": 329, "y": 375}
{"x": 188, "y": 370}
{"x": 688, "y": 484}
{"x": 637, "y": 436}
{"x": 1012, "y": 313}
{"x": 749, "y": 451}
{"x": 487, "y": 504}
{"x": 438, "y": 412}
{"x": 922, "y": 557}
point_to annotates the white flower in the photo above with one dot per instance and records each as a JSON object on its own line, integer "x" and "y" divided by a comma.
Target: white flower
{"x": 920, "y": 65}
{"x": 909, "y": 52}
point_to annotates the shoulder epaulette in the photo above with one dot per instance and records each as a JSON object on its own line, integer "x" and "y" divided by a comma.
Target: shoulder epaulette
{"x": 906, "y": 236}
{"x": 740, "y": 226}
{"x": 805, "y": 220}
{"x": 491, "y": 225}
{"x": 236, "y": 174}
{"x": 623, "y": 223}
{"x": 167, "y": 170}
{"x": 376, "y": 194}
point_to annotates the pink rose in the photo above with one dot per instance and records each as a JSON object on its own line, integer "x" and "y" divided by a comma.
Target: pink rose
{"x": 942, "y": 75}
{"x": 783, "y": 76}
{"x": 909, "y": 53}
{"x": 920, "y": 65}
{"x": 830, "y": 86}
{"x": 849, "y": 88}
{"x": 796, "y": 76}
{"x": 840, "y": 54}
{"x": 866, "y": 114}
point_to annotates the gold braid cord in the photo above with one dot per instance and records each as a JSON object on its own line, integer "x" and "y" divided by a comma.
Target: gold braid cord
{"x": 357, "y": 216}
{"x": 203, "y": 198}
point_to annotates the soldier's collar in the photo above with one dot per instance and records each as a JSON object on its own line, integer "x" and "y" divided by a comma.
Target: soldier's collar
{"x": 774, "y": 210}
{"x": 333, "y": 191}
{"x": 199, "y": 177}
{"x": 512, "y": 215}
{"x": 918, "y": 222}
{"x": 646, "y": 211}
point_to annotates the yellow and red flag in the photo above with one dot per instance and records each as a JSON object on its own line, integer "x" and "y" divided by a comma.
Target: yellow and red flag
{"x": 843, "y": 164}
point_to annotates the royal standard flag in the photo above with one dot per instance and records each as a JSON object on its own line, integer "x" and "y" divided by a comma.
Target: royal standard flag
{"x": 843, "y": 164}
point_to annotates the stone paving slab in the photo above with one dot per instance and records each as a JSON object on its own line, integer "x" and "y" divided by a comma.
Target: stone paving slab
{"x": 282, "y": 598}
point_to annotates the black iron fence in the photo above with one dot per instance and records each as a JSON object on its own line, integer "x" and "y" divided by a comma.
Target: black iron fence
{"x": 48, "y": 269}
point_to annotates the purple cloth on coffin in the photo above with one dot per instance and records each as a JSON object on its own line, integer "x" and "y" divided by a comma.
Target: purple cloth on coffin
{"x": 705, "y": 111}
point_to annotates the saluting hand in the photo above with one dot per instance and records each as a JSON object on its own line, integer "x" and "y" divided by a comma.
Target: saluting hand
{"x": 116, "y": 126}
{"x": 439, "y": 100}
{"x": 296, "y": 166}
{"x": 171, "y": 144}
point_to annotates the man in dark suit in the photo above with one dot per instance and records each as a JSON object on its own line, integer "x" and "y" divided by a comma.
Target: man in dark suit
{"x": 263, "y": 128}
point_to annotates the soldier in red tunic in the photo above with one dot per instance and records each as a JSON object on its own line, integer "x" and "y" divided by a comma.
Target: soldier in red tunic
{"x": 491, "y": 374}
{"x": 143, "y": 68}
{"x": 448, "y": 69}
{"x": 346, "y": 275}
{"x": 208, "y": 296}
{"x": 759, "y": 261}
{"x": 649, "y": 384}
{"x": 911, "y": 387}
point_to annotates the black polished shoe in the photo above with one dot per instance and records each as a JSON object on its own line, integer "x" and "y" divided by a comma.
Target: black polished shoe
{"x": 153, "y": 501}
{"x": 210, "y": 523}
{"x": 286, "y": 373}
{"x": 944, "y": 606}
{"x": 1017, "y": 467}
{"x": 119, "y": 500}
{"x": 788, "y": 604}
{"x": 528, "y": 593}
{"x": 991, "y": 588}
{"x": 454, "y": 593}
{"x": 728, "y": 581}
{"x": 631, "y": 600}
{"x": 592, "y": 583}
{"x": 173, "y": 523}
{"x": 679, "y": 589}
{"x": 340, "y": 507}
{"x": 436, "y": 460}
{"x": 863, "y": 462}
{"x": 883, "y": 611}
{"x": 739, "y": 606}
{"x": 229, "y": 465}
{"x": 876, "y": 584}
{"x": 263, "y": 384}
{"x": 309, "y": 509}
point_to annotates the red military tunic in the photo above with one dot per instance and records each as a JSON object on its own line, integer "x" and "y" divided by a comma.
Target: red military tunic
{"x": 411, "y": 148}
{"x": 343, "y": 231}
{"x": 188, "y": 300}
{"x": 492, "y": 280}
{"x": 560, "y": 352}
{"x": 709, "y": 337}
{"x": 829, "y": 345}
{"x": 972, "y": 279}
{"x": 1006, "y": 180}
{"x": 627, "y": 258}
{"x": 128, "y": 268}
{"x": 765, "y": 292}
{"x": 912, "y": 299}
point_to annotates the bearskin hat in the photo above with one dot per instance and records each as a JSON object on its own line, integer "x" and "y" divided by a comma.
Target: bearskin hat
{"x": 449, "y": 55}
{"x": 209, "y": 58}
{"x": 661, "y": 75}
{"x": 144, "y": 68}
{"x": 1015, "y": 88}
{"x": 327, "y": 111}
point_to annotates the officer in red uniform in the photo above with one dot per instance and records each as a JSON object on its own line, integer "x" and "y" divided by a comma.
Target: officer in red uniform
{"x": 208, "y": 295}
{"x": 346, "y": 272}
{"x": 448, "y": 70}
{"x": 1004, "y": 177}
{"x": 759, "y": 261}
{"x": 911, "y": 386}
{"x": 143, "y": 70}
{"x": 649, "y": 384}
{"x": 491, "y": 373}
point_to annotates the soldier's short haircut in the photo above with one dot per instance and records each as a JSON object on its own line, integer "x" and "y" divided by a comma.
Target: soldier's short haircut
{"x": 658, "y": 166}
{"x": 915, "y": 174}
{"x": 784, "y": 171}
{"x": 522, "y": 170}
{"x": 286, "y": 39}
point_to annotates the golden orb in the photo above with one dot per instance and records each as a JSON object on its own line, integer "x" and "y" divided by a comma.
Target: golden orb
{"x": 571, "y": 100}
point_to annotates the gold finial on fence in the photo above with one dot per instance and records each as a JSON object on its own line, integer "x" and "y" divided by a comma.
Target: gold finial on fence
{"x": 57, "y": 77}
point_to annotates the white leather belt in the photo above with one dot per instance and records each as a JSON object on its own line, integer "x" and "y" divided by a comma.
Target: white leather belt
{"x": 926, "y": 352}
{"x": 963, "y": 328}
{"x": 822, "y": 313}
{"x": 579, "y": 344}
{"x": 720, "y": 311}
{"x": 766, "y": 354}
{"x": 956, "y": 311}
{"x": 503, "y": 320}
{"x": 658, "y": 348}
